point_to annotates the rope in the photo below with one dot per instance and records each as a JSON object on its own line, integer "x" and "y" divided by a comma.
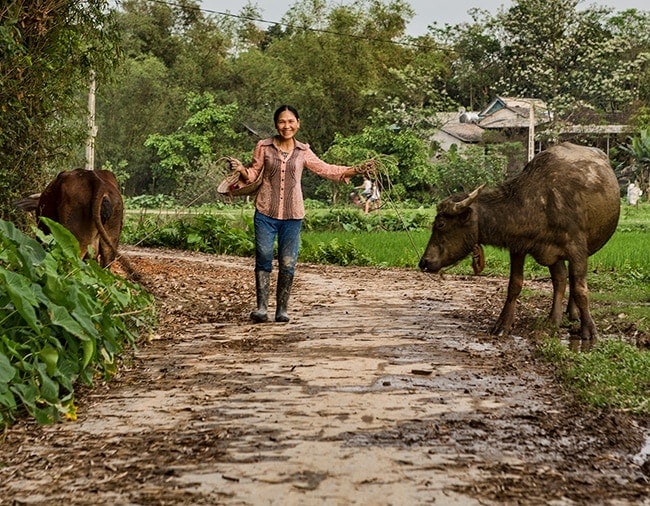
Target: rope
{"x": 379, "y": 173}
{"x": 383, "y": 172}
{"x": 478, "y": 258}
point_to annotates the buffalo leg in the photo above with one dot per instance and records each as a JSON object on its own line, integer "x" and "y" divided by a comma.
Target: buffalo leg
{"x": 507, "y": 316}
{"x": 558, "y": 277}
{"x": 572, "y": 309}
{"x": 580, "y": 294}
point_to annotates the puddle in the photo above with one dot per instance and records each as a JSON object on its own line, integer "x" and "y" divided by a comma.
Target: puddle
{"x": 643, "y": 456}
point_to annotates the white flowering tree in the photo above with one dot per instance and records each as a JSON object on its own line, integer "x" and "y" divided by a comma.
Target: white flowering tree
{"x": 571, "y": 58}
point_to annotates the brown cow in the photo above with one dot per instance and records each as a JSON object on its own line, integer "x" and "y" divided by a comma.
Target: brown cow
{"x": 86, "y": 202}
{"x": 564, "y": 206}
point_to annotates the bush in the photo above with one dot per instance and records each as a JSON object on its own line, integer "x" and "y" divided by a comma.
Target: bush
{"x": 159, "y": 201}
{"x": 63, "y": 320}
{"x": 203, "y": 232}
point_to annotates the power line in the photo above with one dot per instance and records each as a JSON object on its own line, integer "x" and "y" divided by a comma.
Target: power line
{"x": 316, "y": 30}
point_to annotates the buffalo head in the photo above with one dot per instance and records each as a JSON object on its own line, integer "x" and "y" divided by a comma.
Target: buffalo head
{"x": 454, "y": 234}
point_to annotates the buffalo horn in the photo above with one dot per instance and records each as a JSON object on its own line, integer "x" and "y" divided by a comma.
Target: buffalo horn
{"x": 459, "y": 207}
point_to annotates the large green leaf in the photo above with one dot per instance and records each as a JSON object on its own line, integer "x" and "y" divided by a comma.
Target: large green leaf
{"x": 7, "y": 371}
{"x": 50, "y": 357}
{"x": 26, "y": 250}
{"x": 49, "y": 389}
{"x": 7, "y": 401}
{"x": 89, "y": 351}
{"x": 63, "y": 236}
{"x": 22, "y": 296}
{"x": 61, "y": 317}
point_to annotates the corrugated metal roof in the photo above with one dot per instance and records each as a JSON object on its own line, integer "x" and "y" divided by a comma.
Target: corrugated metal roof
{"x": 509, "y": 112}
{"x": 596, "y": 129}
{"x": 466, "y": 132}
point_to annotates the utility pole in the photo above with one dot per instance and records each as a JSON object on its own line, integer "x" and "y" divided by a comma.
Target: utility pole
{"x": 531, "y": 131}
{"x": 92, "y": 128}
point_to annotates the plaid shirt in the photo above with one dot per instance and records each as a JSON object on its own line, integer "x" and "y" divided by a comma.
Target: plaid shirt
{"x": 280, "y": 194}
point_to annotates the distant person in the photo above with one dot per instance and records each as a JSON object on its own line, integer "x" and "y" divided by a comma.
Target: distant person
{"x": 633, "y": 194}
{"x": 375, "y": 195}
{"x": 365, "y": 187}
{"x": 279, "y": 206}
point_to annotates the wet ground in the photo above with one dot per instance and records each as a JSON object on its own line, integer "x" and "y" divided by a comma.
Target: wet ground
{"x": 383, "y": 389}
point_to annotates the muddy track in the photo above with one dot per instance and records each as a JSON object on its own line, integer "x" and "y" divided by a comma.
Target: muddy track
{"x": 383, "y": 389}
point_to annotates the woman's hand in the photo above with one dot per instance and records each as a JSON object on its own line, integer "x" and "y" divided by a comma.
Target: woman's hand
{"x": 368, "y": 168}
{"x": 237, "y": 166}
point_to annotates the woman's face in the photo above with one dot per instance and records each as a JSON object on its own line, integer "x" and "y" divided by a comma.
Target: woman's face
{"x": 287, "y": 125}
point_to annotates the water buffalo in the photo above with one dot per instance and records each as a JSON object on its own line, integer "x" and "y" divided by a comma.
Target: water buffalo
{"x": 86, "y": 202}
{"x": 563, "y": 206}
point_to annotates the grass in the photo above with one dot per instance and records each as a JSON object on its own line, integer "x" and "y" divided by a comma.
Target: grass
{"x": 386, "y": 249}
{"x": 614, "y": 374}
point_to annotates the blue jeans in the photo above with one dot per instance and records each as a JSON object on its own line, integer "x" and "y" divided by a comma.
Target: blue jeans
{"x": 288, "y": 235}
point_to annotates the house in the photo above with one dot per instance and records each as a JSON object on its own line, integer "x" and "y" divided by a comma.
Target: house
{"x": 503, "y": 114}
{"x": 520, "y": 119}
{"x": 456, "y": 129}
{"x": 514, "y": 113}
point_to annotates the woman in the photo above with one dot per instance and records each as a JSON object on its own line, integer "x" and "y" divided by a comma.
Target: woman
{"x": 279, "y": 206}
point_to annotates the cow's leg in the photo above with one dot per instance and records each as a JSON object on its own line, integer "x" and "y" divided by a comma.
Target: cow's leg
{"x": 107, "y": 253}
{"x": 507, "y": 316}
{"x": 558, "y": 278}
{"x": 579, "y": 292}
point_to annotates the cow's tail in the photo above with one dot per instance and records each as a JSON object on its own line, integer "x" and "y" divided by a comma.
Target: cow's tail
{"x": 124, "y": 262}
{"x": 102, "y": 211}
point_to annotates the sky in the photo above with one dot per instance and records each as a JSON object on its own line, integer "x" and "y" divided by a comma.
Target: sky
{"x": 426, "y": 11}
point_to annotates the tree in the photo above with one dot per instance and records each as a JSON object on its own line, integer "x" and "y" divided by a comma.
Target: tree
{"x": 404, "y": 165}
{"x": 633, "y": 27}
{"x": 185, "y": 157}
{"x": 331, "y": 62}
{"x": 137, "y": 103}
{"x": 170, "y": 50}
{"x": 574, "y": 60}
{"x": 472, "y": 51}
{"x": 48, "y": 49}
{"x": 566, "y": 57}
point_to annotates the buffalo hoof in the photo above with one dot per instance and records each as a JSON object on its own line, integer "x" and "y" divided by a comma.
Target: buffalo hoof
{"x": 498, "y": 330}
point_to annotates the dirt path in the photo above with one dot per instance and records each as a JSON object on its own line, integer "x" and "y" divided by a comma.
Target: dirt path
{"x": 380, "y": 392}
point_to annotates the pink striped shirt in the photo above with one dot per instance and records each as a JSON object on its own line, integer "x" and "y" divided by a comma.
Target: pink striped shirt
{"x": 280, "y": 194}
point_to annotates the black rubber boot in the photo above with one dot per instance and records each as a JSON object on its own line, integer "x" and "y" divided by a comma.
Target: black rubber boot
{"x": 262, "y": 279}
{"x": 285, "y": 281}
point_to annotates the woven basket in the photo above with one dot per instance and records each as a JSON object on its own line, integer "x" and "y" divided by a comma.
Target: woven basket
{"x": 234, "y": 185}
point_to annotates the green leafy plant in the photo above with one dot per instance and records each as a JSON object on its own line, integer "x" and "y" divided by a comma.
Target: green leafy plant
{"x": 203, "y": 232}
{"x": 63, "y": 320}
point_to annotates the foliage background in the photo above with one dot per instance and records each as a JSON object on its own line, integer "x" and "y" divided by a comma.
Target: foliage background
{"x": 179, "y": 88}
